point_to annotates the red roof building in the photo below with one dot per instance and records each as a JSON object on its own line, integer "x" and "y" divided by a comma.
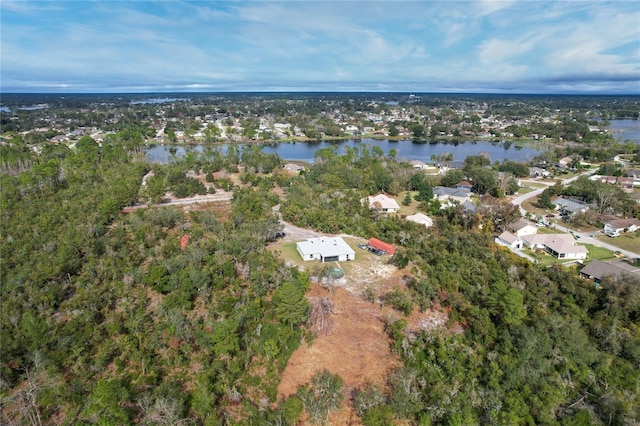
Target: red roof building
{"x": 381, "y": 245}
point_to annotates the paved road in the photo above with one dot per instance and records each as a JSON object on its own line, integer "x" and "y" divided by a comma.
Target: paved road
{"x": 584, "y": 237}
{"x": 524, "y": 197}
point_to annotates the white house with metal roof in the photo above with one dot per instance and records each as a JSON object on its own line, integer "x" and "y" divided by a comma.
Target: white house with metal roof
{"x": 325, "y": 249}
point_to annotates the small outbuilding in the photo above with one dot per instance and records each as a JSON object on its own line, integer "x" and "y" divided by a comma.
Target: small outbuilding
{"x": 325, "y": 249}
{"x": 381, "y": 245}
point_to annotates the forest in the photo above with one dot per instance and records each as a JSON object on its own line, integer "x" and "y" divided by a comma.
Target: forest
{"x": 115, "y": 318}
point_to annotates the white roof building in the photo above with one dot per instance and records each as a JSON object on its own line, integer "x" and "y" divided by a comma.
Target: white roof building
{"x": 325, "y": 249}
{"x": 421, "y": 219}
{"x": 383, "y": 203}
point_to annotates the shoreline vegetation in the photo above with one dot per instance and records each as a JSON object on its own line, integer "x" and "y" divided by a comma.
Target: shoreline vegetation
{"x": 525, "y": 142}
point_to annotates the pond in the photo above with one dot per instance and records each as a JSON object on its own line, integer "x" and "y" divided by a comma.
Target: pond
{"x": 624, "y": 130}
{"x": 405, "y": 150}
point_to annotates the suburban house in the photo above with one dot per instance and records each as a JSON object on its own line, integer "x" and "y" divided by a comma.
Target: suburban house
{"x": 535, "y": 172}
{"x": 444, "y": 194}
{"x": 621, "y": 225}
{"x": 510, "y": 240}
{"x": 421, "y": 219}
{"x": 383, "y": 203}
{"x": 562, "y": 246}
{"x": 325, "y": 249}
{"x": 570, "y": 207}
{"x": 381, "y": 245}
{"x": 464, "y": 184}
{"x": 565, "y": 161}
{"x": 598, "y": 269}
{"x": 522, "y": 227}
{"x": 293, "y": 168}
{"x": 418, "y": 165}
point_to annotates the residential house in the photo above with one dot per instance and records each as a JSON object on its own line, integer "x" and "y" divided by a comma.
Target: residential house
{"x": 535, "y": 172}
{"x": 293, "y": 168}
{"x": 522, "y": 227}
{"x": 562, "y": 246}
{"x": 421, "y": 219}
{"x": 565, "y": 161}
{"x": 325, "y": 249}
{"x": 626, "y": 183}
{"x": 510, "y": 240}
{"x": 570, "y": 207}
{"x": 465, "y": 184}
{"x": 383, "y": 203}
{"x": 597, "y": 270}
{"x": 621, "y": 225}
{"x": 446, "y": 194}
{"x": 418, "y": 165}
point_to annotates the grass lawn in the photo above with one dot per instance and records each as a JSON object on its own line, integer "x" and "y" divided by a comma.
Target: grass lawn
{"x": 545, "y": 230}
{"x": 411, "y": 208}
{"x": 523, "y": 190}
{"x": 530, "y": 206}
{"x": 595, "y": 253}
{"x": 599, "y": 253}
{"x": 627, "y": 241}
{"x": 543, "y": 258}
{"x": 289, "y": 253}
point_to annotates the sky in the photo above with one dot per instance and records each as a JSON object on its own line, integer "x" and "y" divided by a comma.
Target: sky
{"x": 95, "y": 46}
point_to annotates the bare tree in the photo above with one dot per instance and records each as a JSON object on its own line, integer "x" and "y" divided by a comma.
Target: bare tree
{"x": 321, "y": 310}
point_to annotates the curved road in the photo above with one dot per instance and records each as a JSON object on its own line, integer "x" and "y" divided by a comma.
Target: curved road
{"x": 582, "y": 237}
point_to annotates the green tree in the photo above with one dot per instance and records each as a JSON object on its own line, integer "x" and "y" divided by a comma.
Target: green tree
{"x": 290, "y": 305}
{"x": 106, "y": 403}
{"x": 322, "y": 396}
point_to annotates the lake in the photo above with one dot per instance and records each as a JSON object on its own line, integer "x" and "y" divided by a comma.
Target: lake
{"x": 406, "y": 150}
{"x": 624, "y": 130}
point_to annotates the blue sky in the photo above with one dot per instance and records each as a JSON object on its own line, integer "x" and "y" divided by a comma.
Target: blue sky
{"x": 408, "y": 46}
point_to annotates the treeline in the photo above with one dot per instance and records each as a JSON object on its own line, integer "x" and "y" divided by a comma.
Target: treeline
{"x": 158, "y": 317}
{"x": 108, "y": 318}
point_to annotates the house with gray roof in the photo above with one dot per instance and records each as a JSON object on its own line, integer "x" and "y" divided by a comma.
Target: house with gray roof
{"x": 569, "y": 207}
{"x": 444, "y": 194}
{"x": 510, "y": 240}
{"x": 621, "y": 225}
{"x": 522, "y": 227}
{"x": 598, "y": 270}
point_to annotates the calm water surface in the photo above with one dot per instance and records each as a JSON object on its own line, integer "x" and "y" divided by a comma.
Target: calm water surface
{"x": 406, "y": 150}
{"x": 624, "y": 130}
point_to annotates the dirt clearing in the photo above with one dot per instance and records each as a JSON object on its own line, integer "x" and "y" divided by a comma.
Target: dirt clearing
{"x": 357, "y": 347}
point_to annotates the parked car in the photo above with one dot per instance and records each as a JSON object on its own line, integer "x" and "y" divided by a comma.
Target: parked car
{"x": 376, "y": 251}
{"x": 363, "y": 246}
{"x": 613, "y": 233}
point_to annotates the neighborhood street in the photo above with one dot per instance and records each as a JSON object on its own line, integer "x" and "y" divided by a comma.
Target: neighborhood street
{"x": 584, "y": 238}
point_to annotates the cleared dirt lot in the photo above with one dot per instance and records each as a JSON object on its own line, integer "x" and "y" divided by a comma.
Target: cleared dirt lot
{"x": 357, "y": 347}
